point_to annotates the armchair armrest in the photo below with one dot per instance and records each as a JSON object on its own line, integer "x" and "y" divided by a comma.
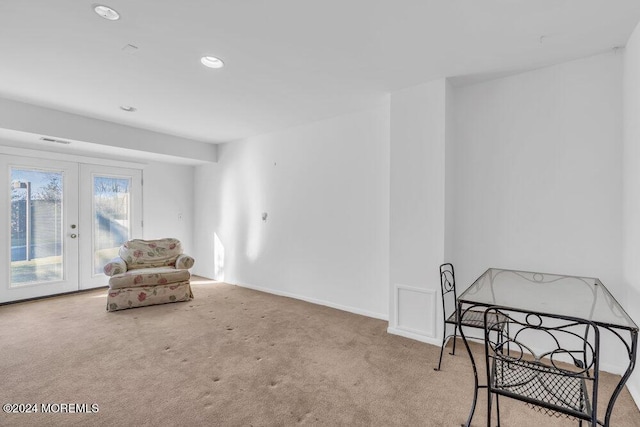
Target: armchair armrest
{"x": 115, "y": 266}
{"x": 184, "y": 262}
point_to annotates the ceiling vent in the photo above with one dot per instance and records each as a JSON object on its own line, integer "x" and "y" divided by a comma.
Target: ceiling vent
{"x": 57, "y": 141}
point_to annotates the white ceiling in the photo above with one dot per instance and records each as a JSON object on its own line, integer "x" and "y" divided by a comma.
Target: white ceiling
{"x": 287, "y": 61}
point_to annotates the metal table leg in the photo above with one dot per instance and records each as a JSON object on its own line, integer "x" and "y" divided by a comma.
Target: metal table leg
{"x": 632, "y": 350}
{"x": 473, "y": 364}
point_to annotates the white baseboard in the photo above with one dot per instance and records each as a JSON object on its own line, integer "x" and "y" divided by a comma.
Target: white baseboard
{"x": 414, "y": 336}
{"x": 316, "y": 301}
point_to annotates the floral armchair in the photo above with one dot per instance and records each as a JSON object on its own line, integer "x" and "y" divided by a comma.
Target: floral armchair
{"x": 148, "y": 272}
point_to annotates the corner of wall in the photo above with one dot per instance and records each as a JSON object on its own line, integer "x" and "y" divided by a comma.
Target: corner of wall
{"x": 417, "y": 208}
{"x": 631, "y": 188}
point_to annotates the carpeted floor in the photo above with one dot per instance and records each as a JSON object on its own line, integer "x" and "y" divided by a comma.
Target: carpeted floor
{"x": 236, "y": 357}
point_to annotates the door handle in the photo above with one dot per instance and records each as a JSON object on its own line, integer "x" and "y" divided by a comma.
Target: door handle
{"x": 73, "y": 236}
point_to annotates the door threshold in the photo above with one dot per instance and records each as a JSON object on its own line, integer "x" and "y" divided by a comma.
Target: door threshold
{"x": 81, "y": 291}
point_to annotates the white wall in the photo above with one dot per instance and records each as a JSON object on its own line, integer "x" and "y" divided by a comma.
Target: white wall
{"x": 325, "y": 188}
{"x": 538, "y": 181}
{"x": 631, "y": 195}
{"x": 168, "y": 201}
{"x": 538, "y": 172}
{"x": 417, "y": 178}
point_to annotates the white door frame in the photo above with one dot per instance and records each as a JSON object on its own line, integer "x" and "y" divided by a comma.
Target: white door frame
{"x": 77, "y": 210}
{"x": 69, "y": 281}
{"x": 88, "y": 277}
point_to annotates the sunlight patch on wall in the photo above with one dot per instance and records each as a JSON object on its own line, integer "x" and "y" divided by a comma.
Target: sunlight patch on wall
{"x": 218, "y": 258}
{"x": 254, "y": 238}
{"x": 254, "y": 177}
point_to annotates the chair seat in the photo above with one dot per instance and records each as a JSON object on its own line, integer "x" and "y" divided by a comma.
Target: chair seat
{"x": 475, "y": 319}
{"x": 523, "y": 379}
{"x": 148, "y": 277}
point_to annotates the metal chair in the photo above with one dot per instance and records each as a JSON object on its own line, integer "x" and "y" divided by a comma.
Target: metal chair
{"x": 470, "y": 318}
{"x": 549, "y": 362}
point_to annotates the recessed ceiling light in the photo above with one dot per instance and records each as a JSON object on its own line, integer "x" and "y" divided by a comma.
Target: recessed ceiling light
{"x": 106, "y": 12}
{"x": 128, "y": 108}
{"x": 212, "y": 62}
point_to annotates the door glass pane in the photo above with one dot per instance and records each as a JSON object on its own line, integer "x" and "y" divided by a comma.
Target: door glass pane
{"x": 111, "y": 217}
{"x": 36, "y": 226}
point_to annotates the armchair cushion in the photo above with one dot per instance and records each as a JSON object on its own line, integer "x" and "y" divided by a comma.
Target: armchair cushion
{"x": 150, "y": 253}
{"x": 149, "y": 277}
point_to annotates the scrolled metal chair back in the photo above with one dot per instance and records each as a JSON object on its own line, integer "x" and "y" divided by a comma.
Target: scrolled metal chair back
{"x": 447, "y": 278}
{"x": 544, "y": 360}
{"x": 448, "y": 288}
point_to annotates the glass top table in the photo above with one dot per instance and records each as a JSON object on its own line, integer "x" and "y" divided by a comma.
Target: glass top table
{"x": 580, "y": 297}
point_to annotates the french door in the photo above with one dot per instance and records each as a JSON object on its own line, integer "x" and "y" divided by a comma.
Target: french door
{"x": 60, "y": 222}
{"x": 110, "y": 214}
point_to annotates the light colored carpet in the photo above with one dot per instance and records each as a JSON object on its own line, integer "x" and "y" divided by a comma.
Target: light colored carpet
{"x": 236, "y": 357}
